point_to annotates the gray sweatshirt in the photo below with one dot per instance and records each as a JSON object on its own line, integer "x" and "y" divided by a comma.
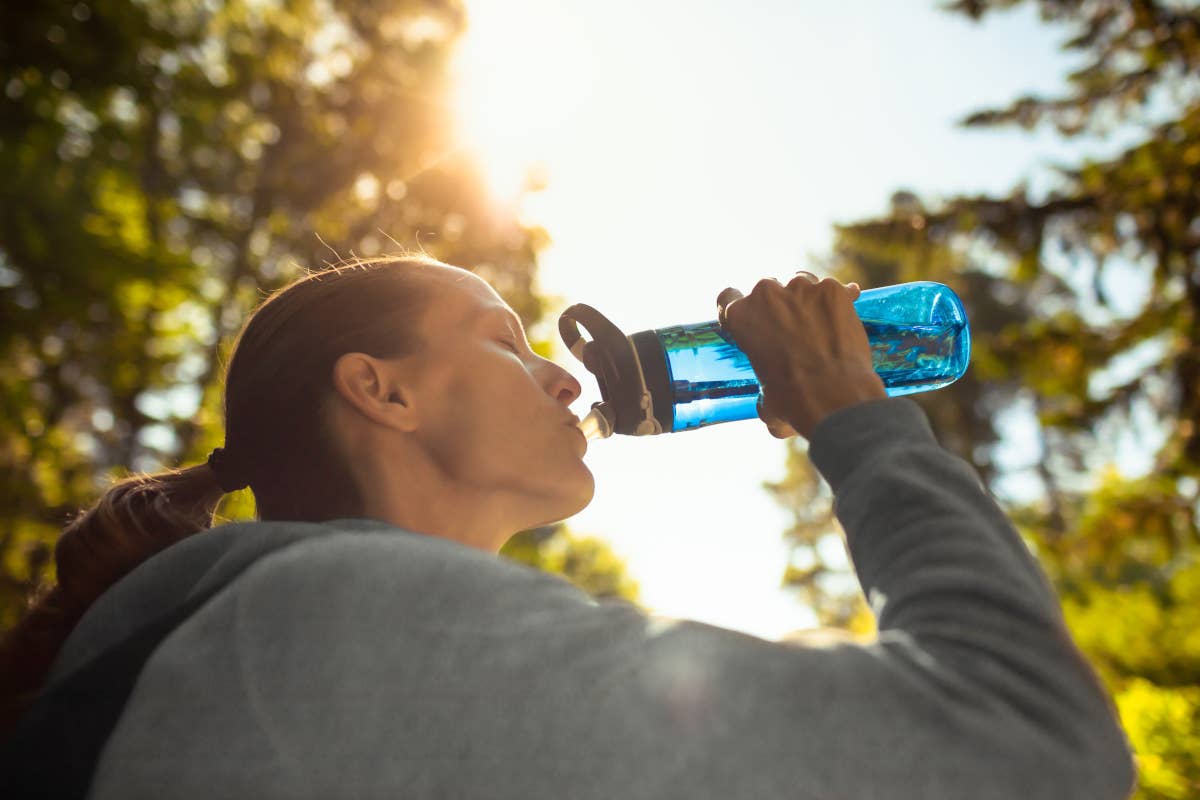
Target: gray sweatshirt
{"x": 362, "y": 660}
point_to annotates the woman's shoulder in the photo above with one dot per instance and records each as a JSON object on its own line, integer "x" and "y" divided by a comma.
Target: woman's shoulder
{"x": 358, "y": 561}
{"x": 346, "y": 557}
{"x": 335, "y": 561}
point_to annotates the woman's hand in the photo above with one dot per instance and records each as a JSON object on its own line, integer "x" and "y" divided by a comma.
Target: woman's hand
{"x": 807, "y": 346}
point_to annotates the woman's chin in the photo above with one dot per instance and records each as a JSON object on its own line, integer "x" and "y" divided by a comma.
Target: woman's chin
{"x": 588, "y": 491}
{"x": 570, "y": 496}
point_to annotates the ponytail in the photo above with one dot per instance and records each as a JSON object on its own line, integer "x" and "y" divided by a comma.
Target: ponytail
{"x": 137, "y": 517}
{"x": 275, "y": 413}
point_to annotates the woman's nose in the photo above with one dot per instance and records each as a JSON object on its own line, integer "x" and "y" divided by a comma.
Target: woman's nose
{"x": 560, "y": 384}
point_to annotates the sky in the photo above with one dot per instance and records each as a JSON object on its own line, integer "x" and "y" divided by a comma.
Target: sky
{"x": 691, "y": 146}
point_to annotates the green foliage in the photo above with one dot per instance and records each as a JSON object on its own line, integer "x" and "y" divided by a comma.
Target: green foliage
{"x": 167, "y": 164}
{"x": 1163, "y": 724}
{"x": 587, "y": 562}
{"x": 1054, "y": 332}
{"x": 1128, "y": 571}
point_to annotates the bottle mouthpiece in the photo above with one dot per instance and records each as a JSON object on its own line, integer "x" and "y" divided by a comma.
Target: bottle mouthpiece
{"x": 596, "y": 424}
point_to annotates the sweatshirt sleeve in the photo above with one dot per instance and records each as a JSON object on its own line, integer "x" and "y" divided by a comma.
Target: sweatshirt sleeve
{"x": 393, "y": 665}
{"x": 961, "y": 602}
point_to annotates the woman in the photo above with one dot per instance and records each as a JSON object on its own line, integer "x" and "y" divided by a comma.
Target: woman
{"x": 363, "y": 640}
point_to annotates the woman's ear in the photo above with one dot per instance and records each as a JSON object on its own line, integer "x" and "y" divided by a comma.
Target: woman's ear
{"x": 376, "y": 389}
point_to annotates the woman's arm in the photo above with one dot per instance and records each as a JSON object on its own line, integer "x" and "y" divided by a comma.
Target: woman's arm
{"x": 960, "y": 600}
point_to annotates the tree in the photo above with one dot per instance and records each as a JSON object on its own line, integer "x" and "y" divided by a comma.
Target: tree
{"x": 587, "y": 562}
{"x": 1053, "y": 332}
{"x": 165, "y": 165}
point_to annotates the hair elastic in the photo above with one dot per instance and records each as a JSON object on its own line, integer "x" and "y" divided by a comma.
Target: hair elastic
{"x": 225, "y": 472}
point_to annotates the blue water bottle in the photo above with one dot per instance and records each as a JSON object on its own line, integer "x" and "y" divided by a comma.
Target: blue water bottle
{"x": 684, "y": 377}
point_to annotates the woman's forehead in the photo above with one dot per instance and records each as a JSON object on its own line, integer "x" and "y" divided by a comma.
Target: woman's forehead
{"x": 461, "y": 295}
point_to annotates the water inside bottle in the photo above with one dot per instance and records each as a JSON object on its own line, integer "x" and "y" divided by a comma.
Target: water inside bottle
{"x": 713, "y": 382}
{"x": 916, "y": 358}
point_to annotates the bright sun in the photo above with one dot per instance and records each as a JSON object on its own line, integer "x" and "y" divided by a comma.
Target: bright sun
{"x": 521, "y": 71}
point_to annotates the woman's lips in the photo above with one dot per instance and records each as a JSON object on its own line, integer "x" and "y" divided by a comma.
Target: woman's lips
{"x": 582, "y": 437}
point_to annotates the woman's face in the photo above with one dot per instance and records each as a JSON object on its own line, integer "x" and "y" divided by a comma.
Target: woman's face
{"x": 494, "y": 415}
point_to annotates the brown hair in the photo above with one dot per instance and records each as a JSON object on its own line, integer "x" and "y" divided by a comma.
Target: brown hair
{"x": 277, "y": 385}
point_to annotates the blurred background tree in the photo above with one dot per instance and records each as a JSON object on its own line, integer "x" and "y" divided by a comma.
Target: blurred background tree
{"x": 1084, "y": 303}
{"x": 587, "y": 561}
{"x": 165, "y": 165}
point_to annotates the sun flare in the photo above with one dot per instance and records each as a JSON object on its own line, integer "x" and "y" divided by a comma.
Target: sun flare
{"x": 522, "y": 69}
